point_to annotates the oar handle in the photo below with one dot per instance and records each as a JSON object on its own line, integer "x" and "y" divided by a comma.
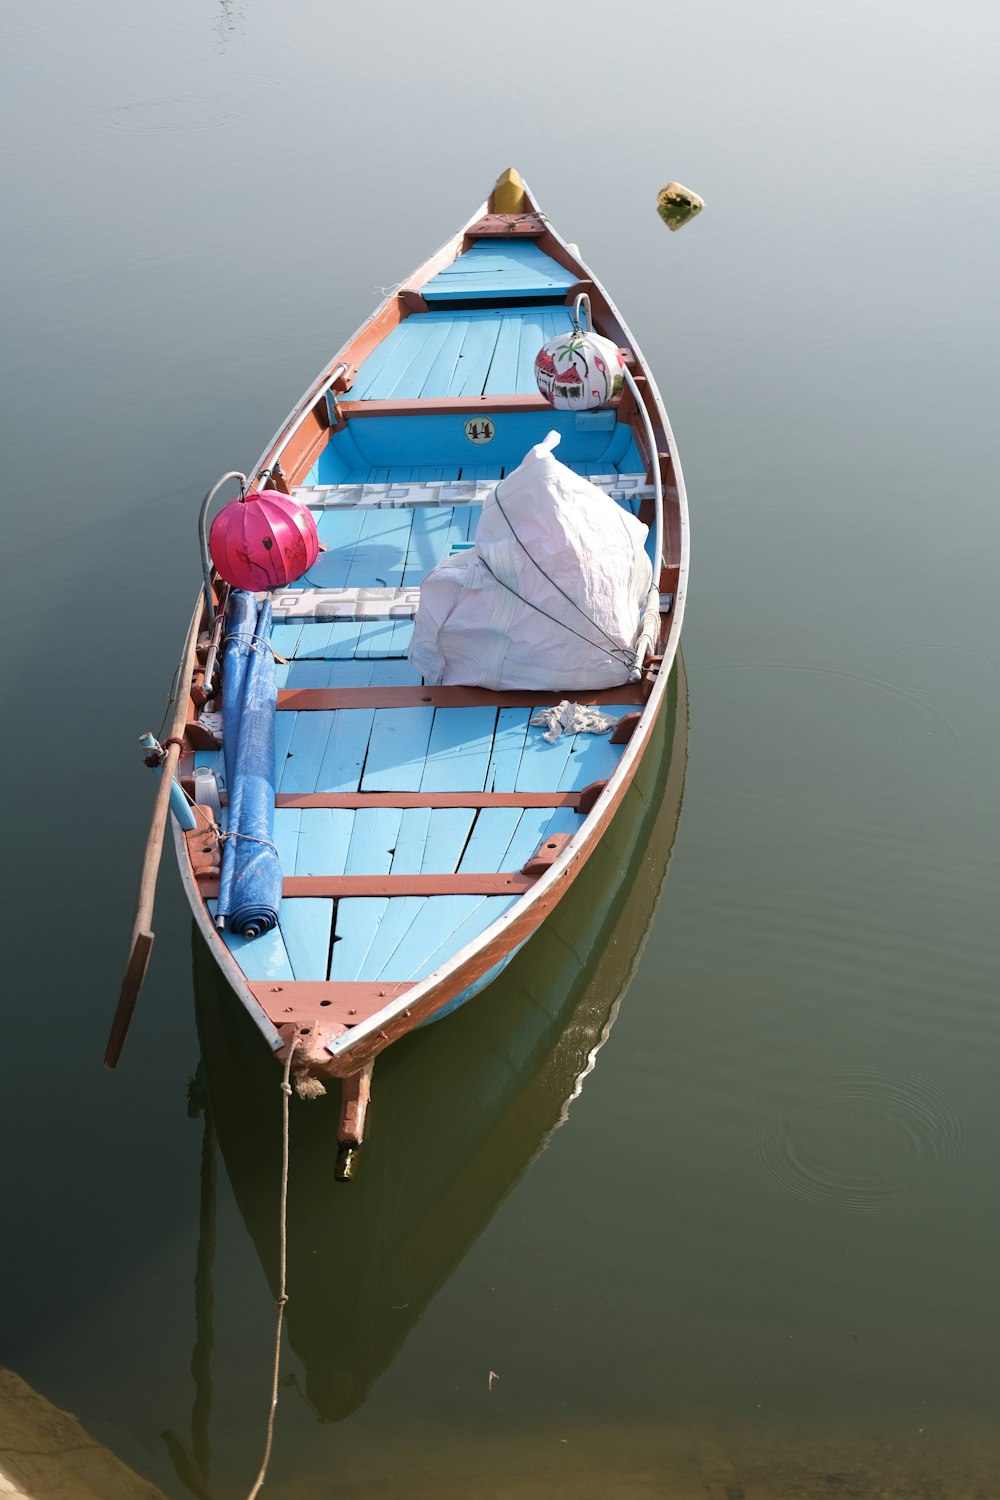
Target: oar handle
{"x": 142, "y": 932}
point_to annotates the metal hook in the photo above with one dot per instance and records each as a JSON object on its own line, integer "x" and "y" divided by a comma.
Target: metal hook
{"x": 581, "y": 301}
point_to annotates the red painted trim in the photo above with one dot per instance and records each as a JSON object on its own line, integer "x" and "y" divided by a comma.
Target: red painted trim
{"x": 307, "y": 700}
{"x": 506, "y": 227}
{"x": 506, "y": 883}
{"x": 437, "y": 406}
{"x": 336, "y": 1005}
{"x": 427, "y": 799}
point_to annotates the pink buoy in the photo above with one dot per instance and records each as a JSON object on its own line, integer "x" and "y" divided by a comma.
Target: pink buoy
{"x": 263, "y": 541}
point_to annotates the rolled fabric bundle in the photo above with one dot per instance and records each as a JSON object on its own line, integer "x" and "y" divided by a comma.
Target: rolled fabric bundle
{"x": 250, "y": 881}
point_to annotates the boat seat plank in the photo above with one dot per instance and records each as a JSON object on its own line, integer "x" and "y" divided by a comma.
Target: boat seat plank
{"x": 458, "y": 753}
{"x": 396, "y": 749}
{"x": 420, "y": 491}
{"x": 325, "y": 835}
{"x": 306, "y": 924}
{"x": 498, "y": 268}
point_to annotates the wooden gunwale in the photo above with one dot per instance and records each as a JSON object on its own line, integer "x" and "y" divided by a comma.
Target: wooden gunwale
{"x": 336, "y": 1051}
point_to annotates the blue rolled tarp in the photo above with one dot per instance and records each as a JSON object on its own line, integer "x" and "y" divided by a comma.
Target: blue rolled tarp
{"x": 250, "y": 882}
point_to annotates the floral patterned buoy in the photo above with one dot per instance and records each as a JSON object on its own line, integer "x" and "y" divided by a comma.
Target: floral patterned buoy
{"x": 579, "y": 371}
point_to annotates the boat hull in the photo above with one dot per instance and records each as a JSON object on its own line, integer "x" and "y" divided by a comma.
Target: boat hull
{"x": 336, "y": 1021}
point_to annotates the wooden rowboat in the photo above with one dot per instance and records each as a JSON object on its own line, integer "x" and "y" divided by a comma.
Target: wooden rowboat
{"x": 426, "y": 832}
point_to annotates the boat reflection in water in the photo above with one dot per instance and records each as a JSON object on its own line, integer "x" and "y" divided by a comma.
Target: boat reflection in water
{"x": 463, "y": 1106}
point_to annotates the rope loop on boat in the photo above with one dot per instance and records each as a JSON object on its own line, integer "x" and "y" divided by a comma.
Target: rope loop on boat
{"x": 281, "y": 1300}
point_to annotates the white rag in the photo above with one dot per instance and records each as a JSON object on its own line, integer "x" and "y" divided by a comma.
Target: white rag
{"x": 572, "y": 718}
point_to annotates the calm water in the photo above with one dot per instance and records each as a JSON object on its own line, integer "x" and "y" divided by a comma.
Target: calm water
{"x": 754, "y": 1253}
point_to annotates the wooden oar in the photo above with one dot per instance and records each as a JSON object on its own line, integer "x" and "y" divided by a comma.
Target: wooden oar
{"x": 142, "y": 934}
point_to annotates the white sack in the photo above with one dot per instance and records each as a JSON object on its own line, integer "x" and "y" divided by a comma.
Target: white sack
{"x": 470, "y": 629}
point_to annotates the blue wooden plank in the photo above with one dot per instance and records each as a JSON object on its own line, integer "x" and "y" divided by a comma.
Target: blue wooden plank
{"x": 284, "y": 725}
{"x": 542, "y": 764}
{"x": 358, "y": 920}
{"x": 347, "y": 745}
{"x": 403, "y": 344}
{"x": 306, "y": 748}
{"x": 286, "y": 837}
{"x": 374, "y": 363}
{"x": 499, "y": 269}
{"x": 396, "y": 673}
{"x": 382, "y": 637}
{"x": 260, "y": 958}
{"x": 487, "y": 848}
{"x": 458, "y": 753}
{"x": 412, "y": 837}
{"x": 396, "y": 749}
{"x": 535, "y": 825}
{"x": 312, "y": 672}
{"x": 508, "y": 747}
{"x": 412, "y": 381}
{"x": 373, "y": 840}
{"x": 305, "y": 928}
{"x": 592, "y": 758}
{"x": 285, "y": 638}
{"x": 400, "y": 916}
{"x": 461, "y": 932}
{"x": 438, "y": 380}
{"x": 446, "y": 837}
{"x": 473, "y": 363}
{"x": 323, "y": 842}
{"x": 380, "y": 553}
{"x": 442, "y": 916}
{"x": 502, "y": 376}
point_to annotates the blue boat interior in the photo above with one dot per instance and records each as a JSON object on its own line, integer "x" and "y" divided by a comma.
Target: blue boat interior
{"x": 488, "y": 315}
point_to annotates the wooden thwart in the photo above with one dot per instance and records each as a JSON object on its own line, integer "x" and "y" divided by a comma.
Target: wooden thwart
{"x": 506, "y": 883}
{"x": 310, "y": 700}
{"x": 428, "y": 799}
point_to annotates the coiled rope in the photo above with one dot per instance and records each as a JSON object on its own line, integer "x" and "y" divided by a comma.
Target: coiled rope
{"x": 282, "y": 1300}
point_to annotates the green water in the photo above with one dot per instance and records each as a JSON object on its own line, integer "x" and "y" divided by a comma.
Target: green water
{"x": 736, "y": 1237}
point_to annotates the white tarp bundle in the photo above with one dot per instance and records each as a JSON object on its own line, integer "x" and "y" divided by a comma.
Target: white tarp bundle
{"x": 550, "y": 596}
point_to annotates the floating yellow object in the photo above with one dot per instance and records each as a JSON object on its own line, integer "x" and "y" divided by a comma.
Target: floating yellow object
{"x": 677, "y": 204}
{"x": 508, "y": 195}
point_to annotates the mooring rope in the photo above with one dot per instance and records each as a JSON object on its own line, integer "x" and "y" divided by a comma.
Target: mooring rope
{"x": 286, "y": 1094}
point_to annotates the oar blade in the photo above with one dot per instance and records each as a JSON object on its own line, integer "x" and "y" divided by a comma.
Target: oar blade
{"x": 135, "y": 973}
